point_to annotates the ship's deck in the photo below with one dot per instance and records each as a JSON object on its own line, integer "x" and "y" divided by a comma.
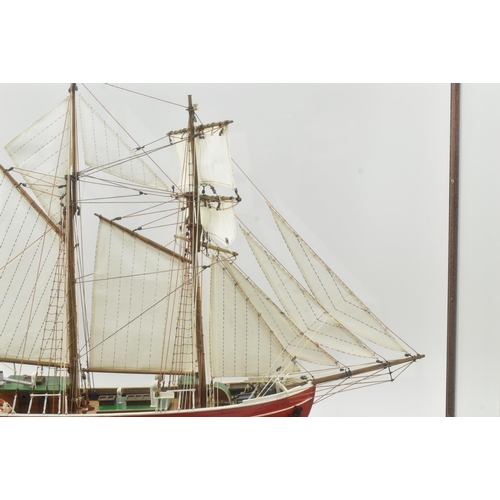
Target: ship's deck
{"x": 42, "y": 386}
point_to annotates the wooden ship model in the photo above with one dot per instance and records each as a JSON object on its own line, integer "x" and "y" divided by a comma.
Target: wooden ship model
{"x": 177, "y": 309}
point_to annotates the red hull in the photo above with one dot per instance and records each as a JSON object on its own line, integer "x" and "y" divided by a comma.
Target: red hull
{"x": 295, "y": 404}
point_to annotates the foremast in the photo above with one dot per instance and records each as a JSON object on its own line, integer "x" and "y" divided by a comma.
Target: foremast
{"x": 195, "y": 230}
{"x": 198, "y": 173}
{"x": 71, "y": 210}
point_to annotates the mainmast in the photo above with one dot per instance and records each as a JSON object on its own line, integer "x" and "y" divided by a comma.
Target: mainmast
{"x": 71, "y": 208}
{"x": 195, "y": 244}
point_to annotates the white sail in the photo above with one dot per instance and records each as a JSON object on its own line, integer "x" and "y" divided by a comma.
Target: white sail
{"x": 333, "y": 294}
{"x": 309, "y": 316}
{"x": 214, "y": 168}
{"x": 41, "y": 154}
{"x": 33, "y": 312}
{"x": 290, "y": 337}
{"x": 241, "y": 342}
{"x": 219, "y": 222}
{"x": 135, "y": 305}
{"x": 105, "y": 150}
{"x": 213, "y": 159}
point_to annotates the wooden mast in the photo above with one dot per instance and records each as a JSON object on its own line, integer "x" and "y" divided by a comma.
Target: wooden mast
{"x": 195, "y": 243}
{"x": 453, "y": 250}
{"x": 70, "y": 252}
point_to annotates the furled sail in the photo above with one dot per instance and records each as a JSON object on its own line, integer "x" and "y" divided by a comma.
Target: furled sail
{"x": 33, "y": 311}
{"x": 105, "y": 150}
{"x": 332, "y": 293}
{"x": 290, "y": 337}
{"x": 309, "y": 316}
{"x": 41, "y": 154}
{"x": 134, "y": 308}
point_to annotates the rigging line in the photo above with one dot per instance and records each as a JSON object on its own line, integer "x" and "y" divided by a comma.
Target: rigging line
{"x": 125, "y": 185}
{"x": 251, "y": 182}
{"x": 352, "y": 385}
{"x": 161, "y": 170}
{"x": 153, "y": 142}
{"x": 82, "y": 280}
{"x": 148, "y": 210}
{"x": 347, "y": 384}
{"x": 92, "y": 201}
{"x": 36, "y": 173}
{"x": 121, "y": 161}
{"x": 38, "y": 189}
{"x": 145, "y": 95}
{"x": 144, "y": 201}
{"x": 156, "y": 227}
{"x": 148, "y": 224}
{"x": 42, "y": 182}
{"x": 141, "y": 213}
{"x": 10, "y": 367}
{"x": 25, "y": 249}
{"x": 112, "y": 198}
{"x": 363, "y": 378}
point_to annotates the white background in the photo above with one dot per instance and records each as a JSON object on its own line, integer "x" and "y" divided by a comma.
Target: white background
{"x": 478, "y": 339}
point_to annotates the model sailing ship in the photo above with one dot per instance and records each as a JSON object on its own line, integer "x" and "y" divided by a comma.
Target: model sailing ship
{"x": 184, "y": 314}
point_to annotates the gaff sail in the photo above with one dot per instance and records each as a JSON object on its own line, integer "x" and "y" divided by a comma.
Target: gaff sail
{"x": 32, "y": 260}
{"x": 135, "y": 305}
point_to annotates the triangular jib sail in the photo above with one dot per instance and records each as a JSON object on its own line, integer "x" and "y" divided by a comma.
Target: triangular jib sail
{"x": 241, "y": 342}
{"x": 277, "y": 325}
{"x": 303, "y": 309}
{"x": 333, "y": 294}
